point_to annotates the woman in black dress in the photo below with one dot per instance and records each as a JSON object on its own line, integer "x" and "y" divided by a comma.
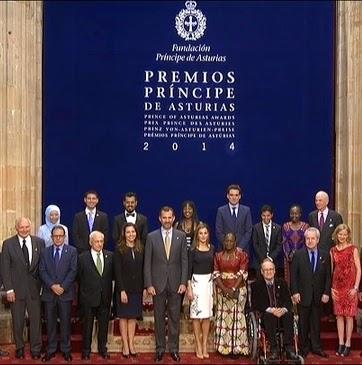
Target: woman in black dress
{"x": 128, "y": 266}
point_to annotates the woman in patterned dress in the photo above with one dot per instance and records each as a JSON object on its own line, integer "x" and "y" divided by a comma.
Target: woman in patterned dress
{"x": 293, "y": 237}
{"x": 346, "y": 275}
{"x": 231, "y": 273}
{"x": 200, "y": 287}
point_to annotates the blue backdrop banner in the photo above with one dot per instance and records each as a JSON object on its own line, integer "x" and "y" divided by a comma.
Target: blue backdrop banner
{"x": 177, "y": 100}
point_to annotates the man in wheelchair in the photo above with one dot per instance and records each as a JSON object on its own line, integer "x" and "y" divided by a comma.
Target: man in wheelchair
{"x": 270, "y": 296}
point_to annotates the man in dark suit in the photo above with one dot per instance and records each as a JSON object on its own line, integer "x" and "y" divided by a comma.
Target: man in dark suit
{"x": 2, "y": 352}
{"x": 58, "y": 271}
{"x": 267, "y": 237}
{"x": 88, "y": 220}
{"x": 130, "y": 215}
{"x": 234, "y": 218}
{"x": 165, "y": 273}
{"x": 271, "y": 297}
{"x": 20, "y": 271}
{"x": 311, "y": 286}
{"x": 95, "y": 273}
{"x": 325, "y": 219}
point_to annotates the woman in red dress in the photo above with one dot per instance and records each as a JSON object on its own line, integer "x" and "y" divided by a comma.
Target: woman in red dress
{"x": 346, "y": 275}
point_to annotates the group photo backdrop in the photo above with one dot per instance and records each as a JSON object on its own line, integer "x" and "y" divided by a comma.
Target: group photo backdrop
{"x": 176, "y": 101}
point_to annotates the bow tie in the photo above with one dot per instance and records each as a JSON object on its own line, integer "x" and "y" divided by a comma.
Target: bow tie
{"x": 130, "y": 214}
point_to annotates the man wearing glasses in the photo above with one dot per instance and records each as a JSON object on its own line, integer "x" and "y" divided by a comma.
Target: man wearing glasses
{"x": 58, "y": 270}
{"x": 271, "y": 297}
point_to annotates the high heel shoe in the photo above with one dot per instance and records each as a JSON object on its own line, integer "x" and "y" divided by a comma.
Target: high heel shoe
{"x": 340, "y": 350}
{"x": 346, "y": 351}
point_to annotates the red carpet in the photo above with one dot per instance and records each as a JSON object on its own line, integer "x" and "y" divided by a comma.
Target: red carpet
{"x": 186, "y": 358}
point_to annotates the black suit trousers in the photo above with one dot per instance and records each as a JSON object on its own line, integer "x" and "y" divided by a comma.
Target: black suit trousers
{"x": 101, "y": 313}
{"x": 167, "y": 302}
{"x": 32, "y": 306}
{"x": 309, "y": 325}
{"x": 272, "y": 323}
{"x": 62, "y": 310}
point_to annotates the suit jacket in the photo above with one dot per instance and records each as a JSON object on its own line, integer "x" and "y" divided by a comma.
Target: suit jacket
{"x": 141, "y": 224}
{"x": 95, "y": 288}
{"x": 128, "y": 271}
{"x": 157, "y": 269}
{"x": 260, "y": 298}
{"x": 15, "y": 273}
{"x": 81, "y": 229}
{"x": 311, "y": 286}
{"x": 242, "y": 228}
{"x": 259, "y": 243}
{"x": 65, "y": 275}
{"x": 332, "y": 221}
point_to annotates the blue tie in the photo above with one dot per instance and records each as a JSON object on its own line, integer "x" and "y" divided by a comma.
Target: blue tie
{"x": 57, "y": 257}
{"x": 312, "y": 260}
{"x": 90, "y": 221}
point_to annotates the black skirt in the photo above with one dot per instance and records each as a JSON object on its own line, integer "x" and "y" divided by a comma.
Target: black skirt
{"x": 132, "y": 309}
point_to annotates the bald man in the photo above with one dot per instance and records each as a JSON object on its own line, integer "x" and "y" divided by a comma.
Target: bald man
{"x": 324, "y": 219}
{"x": 20, "y": 272}
{"x": 95, "y": 273}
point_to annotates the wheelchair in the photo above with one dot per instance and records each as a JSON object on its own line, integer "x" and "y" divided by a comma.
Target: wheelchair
{"x": 259, "y": 346}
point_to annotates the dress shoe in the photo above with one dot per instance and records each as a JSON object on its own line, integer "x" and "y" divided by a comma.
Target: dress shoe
{"x": 273, "y": 356}
{"x": 105, "y": 355}
{"x": 68, "y": 356}
{"x": 126, "y": 356}
{"x": 346, "y": 351}
{"x": 85, "y": 356}
{"x": 35, "y": 355}
{"x": 4, "y": 353}
{"x": 303, "y": 353}
{"x": 133, "y": 354}
{"x": 159, "y": 356}
{"x": 175, "y": 356}
{"x": 340, "y": 350}
{"x": 19, "y": 353}
{"x": 320, "y": 353}
{"x": 47, "y": 357}
{"x": 291, "y": 355}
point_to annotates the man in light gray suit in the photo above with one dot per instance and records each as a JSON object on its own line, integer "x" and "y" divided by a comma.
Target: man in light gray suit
{"x": 20, "y": 271}
{"x": 165, "y": 274}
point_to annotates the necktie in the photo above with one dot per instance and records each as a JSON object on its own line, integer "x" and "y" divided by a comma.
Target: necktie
{"x": 57, "y": 257}
{"x": 267, "y": 235}
{"x": 130, "y": 214}
{"x": 312, "y": 260}
{"x": 25, "y": 253}
{"x": 167, "y": 244}
{"x": 271, "y": 295}
{"x": 234, "y": 212}
{"x": 99, "y": 263}
{"x": 90, "y": 221}
{"x": 321, "y": 221}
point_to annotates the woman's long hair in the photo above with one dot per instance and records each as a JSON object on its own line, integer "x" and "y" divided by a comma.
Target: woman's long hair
{"x": 122, "y": 244}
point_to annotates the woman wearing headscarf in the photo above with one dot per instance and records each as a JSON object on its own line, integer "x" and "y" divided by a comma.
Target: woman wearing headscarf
{"x": 52, "y": 218}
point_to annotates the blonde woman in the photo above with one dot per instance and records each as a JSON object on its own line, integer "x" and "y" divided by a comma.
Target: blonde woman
{"x": 346, "y": 275}
{"x": 200, "y": 287}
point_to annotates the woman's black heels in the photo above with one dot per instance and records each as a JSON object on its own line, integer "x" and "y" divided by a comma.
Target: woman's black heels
{"x": 346, "y": 351}
{"x": 340, "y": 350}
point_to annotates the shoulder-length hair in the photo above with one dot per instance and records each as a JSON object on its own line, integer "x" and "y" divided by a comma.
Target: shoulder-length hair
{"x": 201, "y": 225}
{"x": 122, "y": 244}
{"x": 340, "y": 228}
